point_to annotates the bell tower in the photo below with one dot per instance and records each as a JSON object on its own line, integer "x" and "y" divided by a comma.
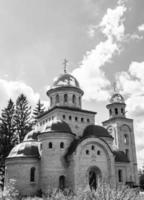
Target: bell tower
{"x": 121, "y": 128}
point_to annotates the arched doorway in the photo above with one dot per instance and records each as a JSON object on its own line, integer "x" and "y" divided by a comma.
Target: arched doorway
{"x": 94, "y": 176}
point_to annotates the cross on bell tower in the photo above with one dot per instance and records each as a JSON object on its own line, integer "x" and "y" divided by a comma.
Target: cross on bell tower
{"x": 65, "y": 65}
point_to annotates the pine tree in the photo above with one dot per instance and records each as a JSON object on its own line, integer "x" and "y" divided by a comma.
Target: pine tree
{"x": 7, "y": 129}
{"x": 22, "y": 117}
{"x": 39, "y": 109}
{"x": 7, "y": 135}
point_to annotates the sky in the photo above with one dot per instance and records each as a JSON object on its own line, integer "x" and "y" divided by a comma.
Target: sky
{"x": 103, "y": 41}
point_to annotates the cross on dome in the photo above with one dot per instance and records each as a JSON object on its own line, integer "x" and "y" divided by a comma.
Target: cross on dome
{"x": 65, "y": 65}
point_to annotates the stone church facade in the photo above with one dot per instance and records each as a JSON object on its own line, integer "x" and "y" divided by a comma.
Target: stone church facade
{"x": 67, "y": 150}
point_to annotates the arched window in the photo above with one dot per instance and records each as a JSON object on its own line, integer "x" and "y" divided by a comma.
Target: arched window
{"x": 122, "y": 111}
{"x": 32, "y": 174}
{"x": 93, "y": 147}
{"x": 127, "y": 153}
{"x": 62, "y": 145}
{"x": 110, "y": 112}
{"x": 80, "y": 101}
{"x": 74, "y": 99}
{"x": 51, "y": 101}
{"x": 50, "y": 145}
{"x": 62, "y": 182}
{"x": 98, "y": 152}
{"x": 65, "y": 98}
{"x": 120, "y": 175}
{"x": 87, "y": 152}
{"x": 57, "y": 98}
{"x": 126, "y": 139}
{"x": 116, "y": 111}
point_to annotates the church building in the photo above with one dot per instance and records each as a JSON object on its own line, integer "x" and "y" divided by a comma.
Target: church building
{"x": 67, "y": 150}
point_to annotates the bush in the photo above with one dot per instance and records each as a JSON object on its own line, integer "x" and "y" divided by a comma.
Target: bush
{"x": 104, "y": 192}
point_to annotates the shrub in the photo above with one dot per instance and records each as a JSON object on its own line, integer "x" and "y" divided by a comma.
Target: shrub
{"x": 10, "y": 192}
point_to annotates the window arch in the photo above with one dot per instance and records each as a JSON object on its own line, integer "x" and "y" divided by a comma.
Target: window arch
{"x": 65, "y": 98}
{"x": 50, "y": 145}
{"x": 32, "y": 174}
{"x": 62, "y": 182}
{"x": 57, "y": 98}
{"x": 74, "y": 99}
{"x": 62, "y": 145}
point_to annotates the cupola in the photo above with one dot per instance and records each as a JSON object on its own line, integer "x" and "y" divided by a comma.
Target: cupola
{"x": 116, "y": 106}
{"x": 65, "y": 91}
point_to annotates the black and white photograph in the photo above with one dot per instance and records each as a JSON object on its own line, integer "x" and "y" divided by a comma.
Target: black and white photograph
{"x": 71, "y": 100}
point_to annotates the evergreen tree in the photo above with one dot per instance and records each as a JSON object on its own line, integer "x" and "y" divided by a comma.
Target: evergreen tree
{"x": 22, "y": 117}
{"x": 7, "y": 135}
{"x": 7, "y": 129}
{"x": 39, "y": 109}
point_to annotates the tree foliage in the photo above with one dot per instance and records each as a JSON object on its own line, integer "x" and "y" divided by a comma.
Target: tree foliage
{"x": 7, "y": 129}
{"x": 7, "y": 135}
{"x": 39, "y": 109}
{"x": 22, "y": 117}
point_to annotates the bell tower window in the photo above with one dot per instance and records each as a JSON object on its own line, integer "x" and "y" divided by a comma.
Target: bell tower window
{"x": 126, "y": 140}
{"x": 110, "y": 112}
{"x": 65, "y": 98}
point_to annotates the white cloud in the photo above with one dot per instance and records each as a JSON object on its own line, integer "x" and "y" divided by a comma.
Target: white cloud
{"x": 132, "y": 86}
{"x": 90, "y": 74}
{"x": 11, "y": 89}
{"x": 112, "y": 23}
{"x": 141, "y": 27}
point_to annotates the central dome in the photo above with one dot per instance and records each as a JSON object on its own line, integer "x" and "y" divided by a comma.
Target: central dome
{"x": 66, "y": 80}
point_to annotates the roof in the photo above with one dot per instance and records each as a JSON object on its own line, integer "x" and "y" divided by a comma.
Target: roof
{"x": 32, "y": 135}
{"x": 120, "y": 156}
{"x": 58, "y": 126}
{"x": 97, "y": 131}
{"x": 25, "y": 149}
{"x": 66, "y": 80}
{"x": 117, "y": 98}
{"x": 100, "y": 132}
{"x": 66, "y": 108}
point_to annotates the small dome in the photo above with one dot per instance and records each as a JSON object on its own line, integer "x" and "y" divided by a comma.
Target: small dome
{"x": 97, "y": 131}
{"x": 25, "y": 149}
{"x": 58, "y": 126}
{"x": 32, "y": 135}
{"x": 117, "y": 98}
{"x": 66, "y": 80}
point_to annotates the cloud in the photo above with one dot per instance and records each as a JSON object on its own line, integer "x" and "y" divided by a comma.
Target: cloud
{"x": 12, "y": 89}
{"x": 112, "y": 23}
{"x": 90, "y": 73}
{"x": 132, "y": 86}
{"x": 141, "y": 27}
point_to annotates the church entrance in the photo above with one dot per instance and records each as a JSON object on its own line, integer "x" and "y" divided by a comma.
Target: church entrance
{"x": 94, "y": 175}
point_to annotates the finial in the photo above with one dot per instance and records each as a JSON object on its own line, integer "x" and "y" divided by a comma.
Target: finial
{"x": 65, "y": 65}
